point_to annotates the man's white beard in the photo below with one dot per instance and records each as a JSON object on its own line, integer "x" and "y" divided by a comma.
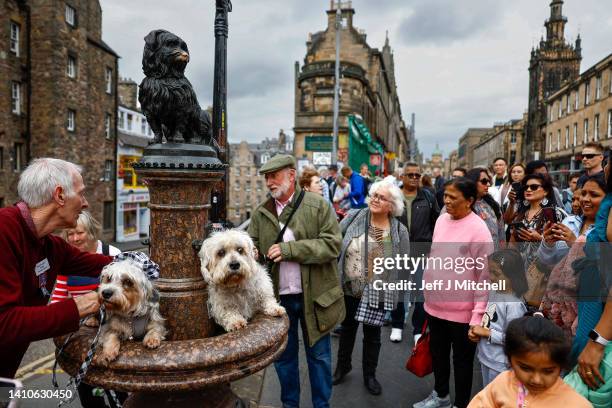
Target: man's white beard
{"x": 281, "y": 190}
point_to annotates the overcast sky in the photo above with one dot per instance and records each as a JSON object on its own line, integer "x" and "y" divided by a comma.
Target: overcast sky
{"x": 458, "y": 63}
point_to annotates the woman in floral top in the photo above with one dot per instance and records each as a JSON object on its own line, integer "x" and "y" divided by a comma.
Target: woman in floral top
{"x": 486, "y": 207}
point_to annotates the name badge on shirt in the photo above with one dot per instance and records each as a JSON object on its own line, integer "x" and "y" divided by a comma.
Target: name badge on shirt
{"x": 42, "y": 267}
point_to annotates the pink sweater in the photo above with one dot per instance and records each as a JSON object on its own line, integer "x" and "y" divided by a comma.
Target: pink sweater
{"x": 457, "y": 264}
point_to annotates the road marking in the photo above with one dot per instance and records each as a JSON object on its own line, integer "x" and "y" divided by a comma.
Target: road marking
{"x": 33, "y": 365}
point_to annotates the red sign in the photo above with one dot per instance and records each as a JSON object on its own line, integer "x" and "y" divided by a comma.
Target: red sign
{"x": 375, "y": 160}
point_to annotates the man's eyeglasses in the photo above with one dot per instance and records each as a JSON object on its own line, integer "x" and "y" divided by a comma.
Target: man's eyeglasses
{"x": 412, "y": 175}
{"x": 485, "y": 181}
{"x": 533, "y": 187}
{"x": 590, "y": 155}
{"x": 378, "y": 197}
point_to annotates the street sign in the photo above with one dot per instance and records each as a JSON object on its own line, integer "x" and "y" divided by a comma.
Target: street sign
{"x": 321, "y": 158}
{"x": 318, "y": 143}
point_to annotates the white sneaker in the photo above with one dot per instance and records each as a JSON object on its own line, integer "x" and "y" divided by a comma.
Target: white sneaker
{"x": 396, "y": 335}
{"x": 433, "y": 401}
{"x": 416, "y": 338}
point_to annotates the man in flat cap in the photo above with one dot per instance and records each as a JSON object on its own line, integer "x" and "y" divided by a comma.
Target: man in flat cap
{"x": 303, "y": 267}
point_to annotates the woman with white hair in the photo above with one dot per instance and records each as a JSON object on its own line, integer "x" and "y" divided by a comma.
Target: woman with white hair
{"x": 85, "y": 236}
{"x": 369, "y": 234}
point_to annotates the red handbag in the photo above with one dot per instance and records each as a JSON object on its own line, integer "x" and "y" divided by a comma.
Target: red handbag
{"x": 419, "y": 362}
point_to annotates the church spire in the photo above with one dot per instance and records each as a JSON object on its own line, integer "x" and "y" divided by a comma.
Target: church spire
{"x": 555, "y": 25}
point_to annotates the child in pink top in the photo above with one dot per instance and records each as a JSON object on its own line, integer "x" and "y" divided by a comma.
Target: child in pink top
{"x": 537, "y": 350}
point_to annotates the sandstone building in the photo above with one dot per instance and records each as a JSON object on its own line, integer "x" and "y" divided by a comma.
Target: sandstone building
{"x": 467, "y": 143}
{"x": 247, "y": 188}
{"x": 58, "y": 96}
{"x": 368, "y": 92}
{"x": 578, "y": 113}
{"x": 554, "y": 62}
{"x": 503, "y": 140}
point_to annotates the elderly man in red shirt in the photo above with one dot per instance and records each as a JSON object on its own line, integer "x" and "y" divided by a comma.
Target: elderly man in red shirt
{"x": 52, "y": 194}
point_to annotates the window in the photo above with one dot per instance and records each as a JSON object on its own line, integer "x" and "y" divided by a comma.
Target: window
{"x": 568, "y": 106}
{"x": 560, "y": 112}
{"x": 70, "y": 15}
{"x": 16, "y": 98}
{"x": 1, "y": 158}
{"x": 596, "y": 127}
{"x": 598, "y": 87}
{"x": 108, "y": 170}
{"x": 109, "y": 80}
{"x": 71, "y": 67}
{"x": 609, "y": 123}
{"x": 237, "y": 213}
{"x": 107, "y": 216}
{"x": 71, "y": 122}
{"x": 550, "y": 142}
{"x": 143, "y": 126}
{"x": 513, "y": 156}
{"x": 513, "y": 138}
{"x": 558, "y": 139}
{"x": 121, "y": 120}
{"x": 576, "y": 100}
{"x": 587, "y": 92}
{"x": 1, "y": 202}
{"x": 18, "y": 157}
{"x": 130, "y": 118}
{"x": 585, "y": 137}
{"x": 550, "y": 114}
{"x": 107, "y": 125}
{"x": 567, "y": 137}
{"x": 127, "y": 173}
{"x": 15, "y": 30}
{"x": 575, "y": 134}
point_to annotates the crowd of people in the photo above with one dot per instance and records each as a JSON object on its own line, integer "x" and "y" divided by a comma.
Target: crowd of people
{"x": 541, "y": 333}
{"x": 550, "y": 320}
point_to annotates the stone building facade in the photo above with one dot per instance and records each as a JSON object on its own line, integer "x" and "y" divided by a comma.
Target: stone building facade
{"x": 503, "y": 140}
{"x": 247, "y": 188}
{"x": 552, "y": 64}
{"x": 368, "y": 89}
{"x": 133, "y": 135}
{"x": 467, "y": 143}
{"x": 59, "y": 96}
{"x": 578, "y": 113}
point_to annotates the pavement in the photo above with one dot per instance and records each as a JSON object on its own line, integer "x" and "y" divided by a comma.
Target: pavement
{"x": 401, "y": 389}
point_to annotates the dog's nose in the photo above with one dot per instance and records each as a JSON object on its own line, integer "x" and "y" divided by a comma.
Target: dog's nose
{"x": 234, "y": 266}
{"x": 107, "y": 293}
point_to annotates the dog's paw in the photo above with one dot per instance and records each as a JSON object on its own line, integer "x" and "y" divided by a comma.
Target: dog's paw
{"x": 152, "y": 340}
{"x": 92, "y": 321}
{"x": 275, "y": 310}
{"x": 236, "y": 324}
{"x": 105, "y": 357}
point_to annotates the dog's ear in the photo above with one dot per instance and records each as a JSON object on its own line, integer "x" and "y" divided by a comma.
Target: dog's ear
{"x": 204, "y": 261}
{"x": 151, "y": 40}
{"x": 152, "y": 65}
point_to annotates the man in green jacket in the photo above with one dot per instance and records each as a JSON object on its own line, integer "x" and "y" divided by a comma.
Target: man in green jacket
{"x": 304, "y": 273}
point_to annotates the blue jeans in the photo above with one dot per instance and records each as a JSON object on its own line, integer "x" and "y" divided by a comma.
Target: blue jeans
{"x": 317, "y": 356}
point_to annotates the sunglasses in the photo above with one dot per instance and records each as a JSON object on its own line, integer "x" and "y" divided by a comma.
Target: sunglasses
{"x": 590, "y": 155}
{"x": 485, "y": 181}
{"x": 412, "y": 175}
{"x": 533, "y": 187}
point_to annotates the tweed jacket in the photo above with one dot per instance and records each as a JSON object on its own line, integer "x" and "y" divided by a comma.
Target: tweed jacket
{"x": 356, "y": 224}
{"x": 316, "y": 248}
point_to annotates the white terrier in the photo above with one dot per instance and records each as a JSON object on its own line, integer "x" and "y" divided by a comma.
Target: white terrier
{"x": 132, "y": 309}
{"x": 238, "y": 286}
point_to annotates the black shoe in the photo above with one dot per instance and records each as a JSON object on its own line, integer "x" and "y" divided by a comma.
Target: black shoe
{"x": 339, "y": 375}
{"x": 372, "y": 385}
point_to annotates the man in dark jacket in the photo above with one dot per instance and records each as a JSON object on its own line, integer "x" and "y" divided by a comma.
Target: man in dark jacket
{"x": 420, "y": 213}
{"x": 439, "y": 185}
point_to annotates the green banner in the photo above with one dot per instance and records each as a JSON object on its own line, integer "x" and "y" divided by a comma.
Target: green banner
{"x": 318, "y": 143}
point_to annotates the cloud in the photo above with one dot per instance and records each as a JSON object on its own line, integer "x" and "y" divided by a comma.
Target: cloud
{"x": 443, "y": 21}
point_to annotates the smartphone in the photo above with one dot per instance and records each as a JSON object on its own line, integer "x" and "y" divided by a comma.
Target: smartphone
{"x": 8, "y": 388}
{"x": 549, "y": 214}
{"x": 517, "y": 187}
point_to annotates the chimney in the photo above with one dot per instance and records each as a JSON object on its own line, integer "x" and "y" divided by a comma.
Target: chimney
{"x": 128, "y": 93}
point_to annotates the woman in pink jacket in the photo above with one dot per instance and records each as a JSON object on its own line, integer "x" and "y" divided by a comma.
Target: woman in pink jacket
{"x": 455, "y": 289}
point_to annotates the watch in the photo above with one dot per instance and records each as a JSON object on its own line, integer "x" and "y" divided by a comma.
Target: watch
{"x": 597, "y": 338}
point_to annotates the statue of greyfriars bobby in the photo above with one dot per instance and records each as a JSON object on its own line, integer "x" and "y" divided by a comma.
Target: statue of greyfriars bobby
{"x": 166, "y": 97}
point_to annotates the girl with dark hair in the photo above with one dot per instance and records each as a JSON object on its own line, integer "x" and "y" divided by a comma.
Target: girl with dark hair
{"x": 537, "y": 351}
{"x": 486, "y": 207}
{"x": 504, "y": 305}
{"x": 459, "y": 235}
{"x": 563, "y": 244}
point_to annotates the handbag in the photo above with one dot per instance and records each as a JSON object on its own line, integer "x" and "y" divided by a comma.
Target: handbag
{"x": 419, "y": 363}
